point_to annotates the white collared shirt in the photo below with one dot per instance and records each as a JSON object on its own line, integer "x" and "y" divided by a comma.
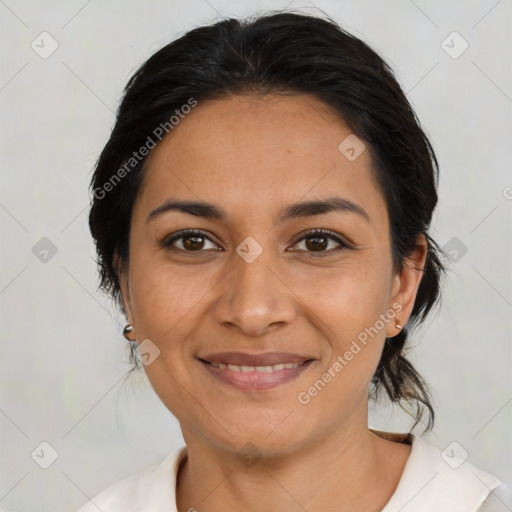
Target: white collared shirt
{"x": 428, "y": 484}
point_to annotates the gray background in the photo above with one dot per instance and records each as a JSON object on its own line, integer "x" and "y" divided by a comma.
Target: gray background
{"x": 63, "y": 357}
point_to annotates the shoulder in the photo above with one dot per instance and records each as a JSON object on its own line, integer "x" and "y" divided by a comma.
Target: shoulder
{"x": 151, "y": 489}
{"x": 439, "y": 480}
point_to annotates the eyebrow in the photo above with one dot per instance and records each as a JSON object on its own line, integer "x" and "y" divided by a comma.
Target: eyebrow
{"x": 293, "y": 211}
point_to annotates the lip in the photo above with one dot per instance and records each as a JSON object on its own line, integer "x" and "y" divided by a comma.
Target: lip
{"x": 261, "y": 379}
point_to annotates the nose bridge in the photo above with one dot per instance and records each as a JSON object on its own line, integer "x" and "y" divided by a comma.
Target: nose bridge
{"x": 251, "y": 276}
{"x": 252, "y": 296}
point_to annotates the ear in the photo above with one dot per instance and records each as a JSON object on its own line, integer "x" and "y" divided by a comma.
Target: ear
{"x": 122, "y": 276}
{"x": 405, "y": 285}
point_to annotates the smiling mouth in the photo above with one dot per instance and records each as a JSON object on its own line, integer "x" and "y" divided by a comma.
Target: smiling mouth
{"x": 255, "y": 372}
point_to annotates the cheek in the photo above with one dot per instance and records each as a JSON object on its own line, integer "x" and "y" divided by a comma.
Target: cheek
{"x": 165, "y": 302}
{"x": 349, "y": 297}
{"x": 160, "y": 292}
{"x": 350, "y": 307}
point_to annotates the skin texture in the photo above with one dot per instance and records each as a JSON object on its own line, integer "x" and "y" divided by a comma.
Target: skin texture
{"x": 251, "y": 156}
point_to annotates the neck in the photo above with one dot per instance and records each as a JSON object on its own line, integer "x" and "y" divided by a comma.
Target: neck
{"x": 347, "y": 470}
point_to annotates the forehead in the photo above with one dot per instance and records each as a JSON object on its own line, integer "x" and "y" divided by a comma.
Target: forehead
{"x": 253, "y": 152}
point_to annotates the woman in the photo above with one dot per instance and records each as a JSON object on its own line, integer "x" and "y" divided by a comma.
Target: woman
{"x": 261, "y": 213}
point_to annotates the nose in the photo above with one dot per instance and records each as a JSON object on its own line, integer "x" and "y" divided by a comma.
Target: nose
{"x": 254, "y": 297}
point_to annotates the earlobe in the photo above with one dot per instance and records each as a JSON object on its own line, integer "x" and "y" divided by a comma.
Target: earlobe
{"x": 406, "y": 284}
{"x": 129, "y": 333}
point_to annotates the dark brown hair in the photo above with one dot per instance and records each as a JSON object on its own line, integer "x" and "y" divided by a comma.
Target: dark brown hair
{"x": 283, "y": 52}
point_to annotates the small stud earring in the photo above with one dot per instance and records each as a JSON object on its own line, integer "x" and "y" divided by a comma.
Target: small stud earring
{"x": 128, "y": 332}
{"x": 398, "y": 326}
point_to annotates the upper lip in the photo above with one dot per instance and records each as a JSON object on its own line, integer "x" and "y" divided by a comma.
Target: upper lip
{"x": 264, "y": 359}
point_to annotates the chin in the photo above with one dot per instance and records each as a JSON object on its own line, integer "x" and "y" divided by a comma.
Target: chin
{"x": 261, "y": 438}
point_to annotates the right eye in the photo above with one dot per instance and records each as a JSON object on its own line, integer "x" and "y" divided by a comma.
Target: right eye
{"x": 190, "y": 240}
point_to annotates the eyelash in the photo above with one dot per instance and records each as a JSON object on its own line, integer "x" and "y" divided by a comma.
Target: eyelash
{"x": 314, "y": 233}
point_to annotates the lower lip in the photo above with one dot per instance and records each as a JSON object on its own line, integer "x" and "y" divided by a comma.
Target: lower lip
{"x": 255, "y": 381}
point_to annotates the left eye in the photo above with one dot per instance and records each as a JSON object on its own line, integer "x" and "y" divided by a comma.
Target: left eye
{"x": 318, "y": 241}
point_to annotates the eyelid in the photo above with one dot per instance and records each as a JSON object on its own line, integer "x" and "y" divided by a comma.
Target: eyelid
{"x": 318, "y": 232}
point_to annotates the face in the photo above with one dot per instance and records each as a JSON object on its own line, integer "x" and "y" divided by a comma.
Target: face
{"x": 254, "y": 286}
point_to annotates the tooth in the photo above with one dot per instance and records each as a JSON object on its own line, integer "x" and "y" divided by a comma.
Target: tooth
{"x": 263, "y": 369}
